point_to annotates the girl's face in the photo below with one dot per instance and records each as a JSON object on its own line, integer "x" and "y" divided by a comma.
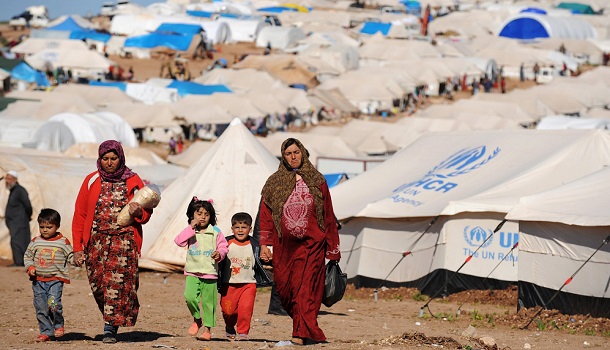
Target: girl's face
{"x": 201, "y": 218}
{"x": 110, "y": 162}
{"x": 293, "y": 156}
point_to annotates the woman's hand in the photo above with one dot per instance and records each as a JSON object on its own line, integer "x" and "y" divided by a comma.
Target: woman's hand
{"x": 266, "y": 254}
{"x": 79, "y": 258}
{"x": 135, "y": 210}
{"x": 216, "y": 256}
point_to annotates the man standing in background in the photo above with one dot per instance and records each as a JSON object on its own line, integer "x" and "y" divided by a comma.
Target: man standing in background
{"x": 18, "y": 215}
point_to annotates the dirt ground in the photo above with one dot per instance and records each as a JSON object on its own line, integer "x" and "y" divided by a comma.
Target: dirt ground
{"x": 356, "y": 322}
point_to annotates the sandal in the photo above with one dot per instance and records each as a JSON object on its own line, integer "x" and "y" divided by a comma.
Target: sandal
{"x": 194, "y": 328}
{"x": 59, "y": 332}
{"x": 205, "y": 336}
{"x": 42, "y": 338}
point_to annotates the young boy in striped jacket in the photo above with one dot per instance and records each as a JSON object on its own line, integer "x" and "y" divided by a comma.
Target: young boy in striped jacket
{"x": 46, "y": 260}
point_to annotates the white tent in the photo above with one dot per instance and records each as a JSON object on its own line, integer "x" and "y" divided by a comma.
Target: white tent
{"x": 232, "y": 173}
{"x": 559, "y": 230}
{"x": 33, "y": 45}
{"x": 52, "y": 181}
{"x": 470, "y": 180}
{"x": 65, "y": 129}
{"x": 279, "y": 37}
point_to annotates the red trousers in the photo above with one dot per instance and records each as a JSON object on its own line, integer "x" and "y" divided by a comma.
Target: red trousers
{"x": 237, "y": 303}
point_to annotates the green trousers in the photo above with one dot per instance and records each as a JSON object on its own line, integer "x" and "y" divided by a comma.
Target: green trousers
{"x": 198, "y": 290}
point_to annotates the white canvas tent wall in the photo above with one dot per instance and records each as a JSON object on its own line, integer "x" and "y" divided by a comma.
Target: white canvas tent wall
{"x": 559, "y": 230}
{"x": 86, "y": 127}
{"x": 51, "y": 182}
{"x": 471, "y": 179}
{"x": 279, "y": 37}
{"x": 33, "y": 45}
{"x": 232, "y": 173}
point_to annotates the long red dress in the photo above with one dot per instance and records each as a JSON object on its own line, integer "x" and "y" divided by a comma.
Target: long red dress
{"x": 299, "y": 257}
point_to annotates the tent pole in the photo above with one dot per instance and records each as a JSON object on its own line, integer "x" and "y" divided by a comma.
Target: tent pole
{"x": 421, "y": 310}
{"x": 459, "y": 310}
{"x": 604, "y": 242}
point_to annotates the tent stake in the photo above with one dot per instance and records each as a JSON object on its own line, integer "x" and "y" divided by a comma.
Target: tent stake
{"x": 604, "y": 242}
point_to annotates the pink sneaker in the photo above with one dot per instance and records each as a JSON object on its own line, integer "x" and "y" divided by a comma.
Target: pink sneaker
{"x": 241, "y": 337}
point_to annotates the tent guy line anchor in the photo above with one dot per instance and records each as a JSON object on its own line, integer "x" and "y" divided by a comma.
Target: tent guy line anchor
{"x": 604, "y": 242}
{"x": 405, "y": 254}
{"x": 421, "y": 310}
{"x": 510, "y": 252}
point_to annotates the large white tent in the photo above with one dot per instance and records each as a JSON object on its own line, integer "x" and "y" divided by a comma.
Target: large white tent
{"x": 469, "y": 179}
{"x": 231, "y": 173}
{"x": 559, "y": 230}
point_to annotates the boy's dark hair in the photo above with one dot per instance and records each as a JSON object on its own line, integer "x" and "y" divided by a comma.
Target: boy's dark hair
{"x": 197, "y": 204}
{"x": 49, "y": 215}
{"x": 241, "y": 217}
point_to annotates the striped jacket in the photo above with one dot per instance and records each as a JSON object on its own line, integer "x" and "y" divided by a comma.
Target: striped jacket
{"x": 50, "y": 258}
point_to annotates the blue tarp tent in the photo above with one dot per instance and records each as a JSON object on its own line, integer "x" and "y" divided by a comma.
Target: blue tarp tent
{"x": 533, "y": 10}
{"x": 527, "y": 26}
{"x": 23, "y": 71}
{"x": 179, "y": 42}
{"x": 577, "y": 8}
{"x": 412, "y": 7}
{"x": 116, "y": 84}
{"x": 78, "y": 33}
{"x": 277, "y": 9}
{"x": 374, "y": 27}
{"x": 180, "y": 28}
{"x": 188, "y": 87}
{"x": 334, "y": 179}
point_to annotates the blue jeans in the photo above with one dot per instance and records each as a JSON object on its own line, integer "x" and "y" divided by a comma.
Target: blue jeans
{"x": 47, "y": 301}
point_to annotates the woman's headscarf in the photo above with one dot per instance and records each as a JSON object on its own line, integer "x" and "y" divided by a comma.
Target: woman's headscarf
{"x": 280, "y": 185}
{"x": 123, "y": 172}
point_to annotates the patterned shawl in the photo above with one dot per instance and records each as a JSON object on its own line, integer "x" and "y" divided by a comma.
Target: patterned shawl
{"x": 123, "y": 172}
{"x": 280, "y": 185}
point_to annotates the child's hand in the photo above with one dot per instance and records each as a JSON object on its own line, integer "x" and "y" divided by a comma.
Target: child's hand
{"x": 193, "y": 224}
{"x": 266, "y": 254}
{"x": 216, "y": 256}
{"x": 32, "y": 272}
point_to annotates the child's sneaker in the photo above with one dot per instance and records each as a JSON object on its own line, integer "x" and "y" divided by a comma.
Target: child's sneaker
{"x": 59, "y": 332}
{"x": 230, "y": 333}
{"x": 241, "y": 337}
{"x": 42, "y": 338}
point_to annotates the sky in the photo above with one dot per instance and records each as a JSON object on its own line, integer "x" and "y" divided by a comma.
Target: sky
{"x": 57, "y": 8}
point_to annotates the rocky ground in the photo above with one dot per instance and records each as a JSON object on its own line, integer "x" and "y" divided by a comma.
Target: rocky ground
{"x": 488, "y": 320}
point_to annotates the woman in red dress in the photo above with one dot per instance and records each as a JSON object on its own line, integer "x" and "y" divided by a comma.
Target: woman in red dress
{"x": 298, "y": 221}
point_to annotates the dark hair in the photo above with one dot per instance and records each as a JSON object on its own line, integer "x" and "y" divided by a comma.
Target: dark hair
{"x": 49, "y": 215}
{"x": 241, "y": 217}
{"x": 197, "y": 204}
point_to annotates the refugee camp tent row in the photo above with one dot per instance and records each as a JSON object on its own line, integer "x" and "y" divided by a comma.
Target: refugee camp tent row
{"x": 560, "y": 229}
{"x": 443, "y": 196}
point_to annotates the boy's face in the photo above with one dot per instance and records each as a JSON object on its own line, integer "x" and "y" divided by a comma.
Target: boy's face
{"x": 241, "y": 231}
{"x": 47, "y": 229}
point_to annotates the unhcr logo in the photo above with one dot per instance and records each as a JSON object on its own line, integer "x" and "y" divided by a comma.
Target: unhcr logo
{"x": 463, "y": 162}
{"x": 477, "y": 235}
{"x": 439, "y": 178}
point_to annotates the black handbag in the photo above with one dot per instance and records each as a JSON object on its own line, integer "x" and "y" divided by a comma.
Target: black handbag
{"x": 334, "y": 284}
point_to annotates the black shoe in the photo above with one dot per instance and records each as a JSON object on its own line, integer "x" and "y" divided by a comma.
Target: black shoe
{"x": 281, "y": 312}
{"x": 108, "y": 338}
